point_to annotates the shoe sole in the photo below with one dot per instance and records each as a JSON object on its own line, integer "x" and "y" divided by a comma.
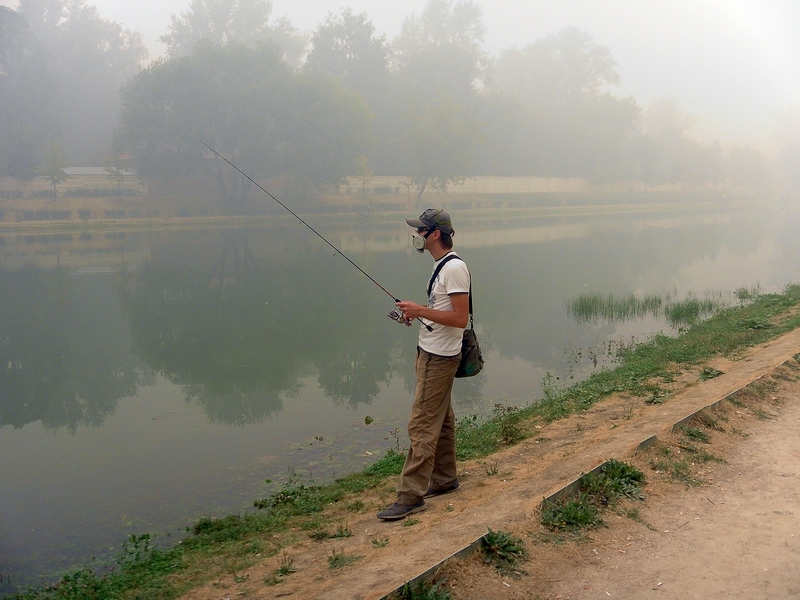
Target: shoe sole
{"x": 404, "y": 515}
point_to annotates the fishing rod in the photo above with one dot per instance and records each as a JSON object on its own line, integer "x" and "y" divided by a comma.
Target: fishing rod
{"x": 395, "y": 314}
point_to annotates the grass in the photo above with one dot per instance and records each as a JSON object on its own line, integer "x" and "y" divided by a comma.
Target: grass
{"x": 727, "y": 333}
{"x": 582, "y": 510}
{"x": 503, "y": 550}
{"x": 339, "y": 560}
{"x": 571, "y": 514}
{"x": 234, "y": 541}
{"x": 423, "y": 590}
{"x": 617, "y": 480}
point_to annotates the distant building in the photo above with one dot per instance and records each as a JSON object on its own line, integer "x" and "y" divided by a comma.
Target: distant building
{"x": 95, "y": 171}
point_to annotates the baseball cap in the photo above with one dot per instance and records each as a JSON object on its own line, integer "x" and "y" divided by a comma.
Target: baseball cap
{"x": 433, "y": 217}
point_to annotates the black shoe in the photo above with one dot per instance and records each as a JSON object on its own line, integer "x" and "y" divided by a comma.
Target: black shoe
{"x": 401, "y": 511}
{"x": 445, "y": 489}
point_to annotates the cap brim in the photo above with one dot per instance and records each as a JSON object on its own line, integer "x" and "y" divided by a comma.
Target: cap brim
{"x": 416, "y": 223}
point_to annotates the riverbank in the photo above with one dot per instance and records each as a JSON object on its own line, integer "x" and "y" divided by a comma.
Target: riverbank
{"x": 315, "y": 528}
{"x": 135, "y": 212}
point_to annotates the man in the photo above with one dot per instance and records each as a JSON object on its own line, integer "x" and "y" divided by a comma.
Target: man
{"x": 430, "y": 467}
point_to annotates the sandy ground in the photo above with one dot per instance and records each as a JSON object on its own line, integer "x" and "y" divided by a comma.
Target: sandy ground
{"x": 736, "y": 535}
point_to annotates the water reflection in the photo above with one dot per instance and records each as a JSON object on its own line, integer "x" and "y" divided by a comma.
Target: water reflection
{"x": 239, "y": 333}
{"x": 64, "y": 349}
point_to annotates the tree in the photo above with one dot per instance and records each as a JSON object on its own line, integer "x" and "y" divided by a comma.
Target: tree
{"x": 789, "y": 146}
{"x": 346, "y": 47}
{"x": 89, "y": 59}
{"x": 52, "y": 166}
{"x": 327, "y": 128}
{"x": 230, "y": 97}
{"x": 664, "y": 153}
{"x": 222, "y": 22}
{"x": 746, "y": 167}
{"x": 26, "y": 91}
{"x": 439, "y": 142}
{"x": 448, "y": 26}
{"x": 438, "y": 64}
{"x": 246, "y": 104}
{"x": 566, "y": 67}
{"x": 568, "y": 122}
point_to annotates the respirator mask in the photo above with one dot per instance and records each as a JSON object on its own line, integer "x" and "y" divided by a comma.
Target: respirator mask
{"x": 418, "y": 241}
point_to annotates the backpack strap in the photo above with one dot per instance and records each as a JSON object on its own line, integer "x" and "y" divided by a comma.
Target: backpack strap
{"x": 439, "y": 268}
{"x": 436, "y": 274}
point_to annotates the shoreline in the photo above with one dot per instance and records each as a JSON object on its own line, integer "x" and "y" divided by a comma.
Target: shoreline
{"x": 287, "y": 520}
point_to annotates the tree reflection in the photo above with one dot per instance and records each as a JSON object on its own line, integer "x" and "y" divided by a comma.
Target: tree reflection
{"x": 240, "y": 333}
{"x": 64, "y": 350}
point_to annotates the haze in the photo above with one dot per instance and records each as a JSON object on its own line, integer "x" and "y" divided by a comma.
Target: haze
{"x": 731, "y": 64}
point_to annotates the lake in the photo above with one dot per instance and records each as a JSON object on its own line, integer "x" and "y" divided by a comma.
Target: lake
{"x": 151, "y": 376}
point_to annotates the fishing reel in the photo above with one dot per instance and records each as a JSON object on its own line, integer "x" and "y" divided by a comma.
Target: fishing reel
{"x": 397, "y": 315}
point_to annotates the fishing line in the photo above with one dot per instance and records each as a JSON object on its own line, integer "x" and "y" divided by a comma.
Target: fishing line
{"x": 317, "y": 233}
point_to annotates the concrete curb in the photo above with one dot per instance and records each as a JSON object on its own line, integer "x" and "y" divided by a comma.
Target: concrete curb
{"x": 575, "y": 486}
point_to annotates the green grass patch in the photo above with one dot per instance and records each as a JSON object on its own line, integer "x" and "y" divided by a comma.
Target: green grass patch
{"x": 503, "y": 550}
{"x": 617, "y": 480}
{"x": 727, "y": 333}
{"x": 423, "y": 590}
{"x": 572, "y": 513}
{"x": 339, "y": 560}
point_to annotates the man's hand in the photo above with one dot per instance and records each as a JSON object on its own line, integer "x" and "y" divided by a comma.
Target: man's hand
{"x": 411, "y": 310}
{"x": 458, "y": 317}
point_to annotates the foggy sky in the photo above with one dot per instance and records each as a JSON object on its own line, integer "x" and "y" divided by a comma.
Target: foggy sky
{"x": 729, "y": 63}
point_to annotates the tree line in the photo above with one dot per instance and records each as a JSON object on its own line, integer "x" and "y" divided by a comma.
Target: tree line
{"x": 430, "y": 104}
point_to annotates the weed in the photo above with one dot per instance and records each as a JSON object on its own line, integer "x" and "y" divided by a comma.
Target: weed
{"x": 633, "y": 515}
{"x": 286, "y": 565}
{"x": 709, "y": 373}
{"x": 342, "y": 531}
{"x": 448, "y": 508}
{"x": 337, "y": 560}
{"x": 740, "y": 433}
{"x": 424, "y": 590}
{"x": 616, "y": 480}
{"x": 491, "y": 469}
{"x": 696, "y": 434}
{"x": 578, "y": 512}
{"x": 356, "y": 506}
{"x": 507, "y": 420}
{"x": 702, "y": 456}
{"x": 410, "y": 522}
{"x": 502, "y": 549}
{"x": 676, "y": 470}
{"x": 380, "y": 542}
{"x": 761, "y": 415}
{"x": 319, "y": 535}
{"x": 736, "y": 401}
{"x": 710, "y": 422}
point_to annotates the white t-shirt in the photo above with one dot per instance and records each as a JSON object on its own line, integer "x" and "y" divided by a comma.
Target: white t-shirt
{"x": 452, "y": 279}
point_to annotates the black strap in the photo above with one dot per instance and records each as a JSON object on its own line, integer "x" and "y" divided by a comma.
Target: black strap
{"x": 447, "y": 258}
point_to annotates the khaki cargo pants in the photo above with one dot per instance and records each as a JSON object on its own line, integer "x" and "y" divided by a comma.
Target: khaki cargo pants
{"x": 431, "y": 429}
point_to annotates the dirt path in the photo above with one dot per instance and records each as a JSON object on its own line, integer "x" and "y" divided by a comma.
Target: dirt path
{"x": 735, "y": 536}
{"x": 730, "y": 530}
{"x": 738, "y": 537}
